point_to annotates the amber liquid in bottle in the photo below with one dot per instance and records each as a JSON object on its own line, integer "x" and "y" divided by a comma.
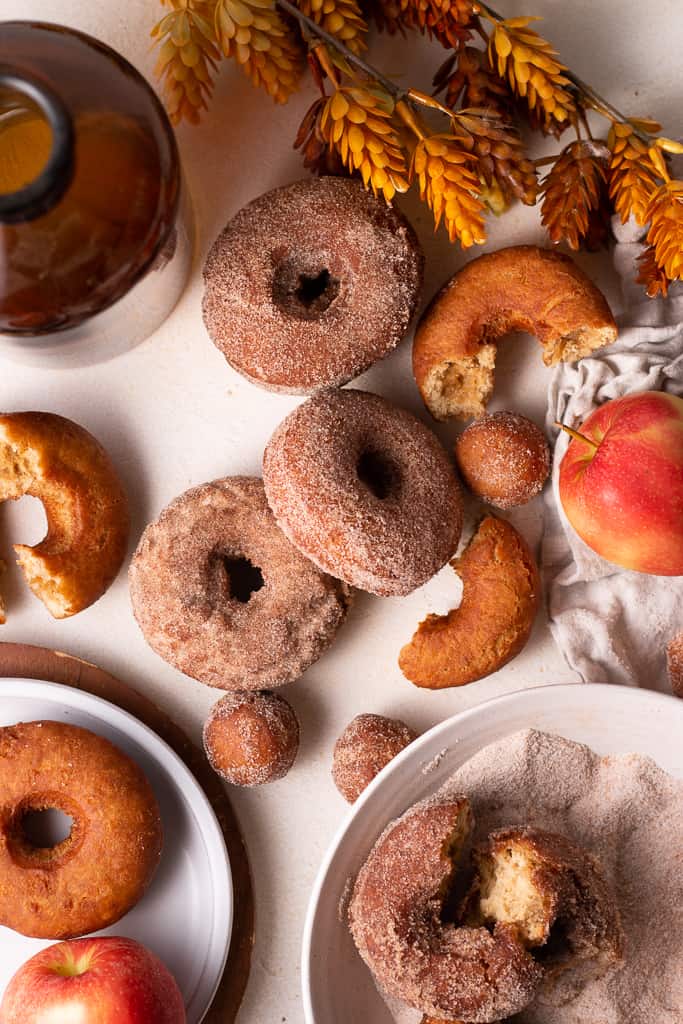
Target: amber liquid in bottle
{"x": 112, "y": 218}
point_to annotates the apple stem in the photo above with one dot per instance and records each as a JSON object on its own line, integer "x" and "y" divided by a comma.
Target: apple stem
{"x": 575, "y": 435}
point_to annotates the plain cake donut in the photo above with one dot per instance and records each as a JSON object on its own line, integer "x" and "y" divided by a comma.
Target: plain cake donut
{"x": 364, "y": 490}
{"x": 521, "y": 288}
{"x": 100, "y": 871}
{"x": 310, "y": 284}
{"x": 58, "y": 462}
{"x": 443, "y": 969}
{"x": 220, "y": 593}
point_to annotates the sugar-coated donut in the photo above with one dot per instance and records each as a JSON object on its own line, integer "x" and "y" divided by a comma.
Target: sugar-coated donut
{"x": 310, "y": 284}
{"x": 674, "y": 663}
{"x": 553, "y": 893}
{"x": 503, "y": 458}
{"x": 440, "y": 968}
{"x": 365, "y": 490}
{"x": 491, "y": 625}
{"x": 61, "y": 464}
{"x": 251, "y": 738}
{"x": 367, "y": 744}
{"x": 521, "y": 288}
{"x": 100, "y": 871}
{"x": 220, "y": 593}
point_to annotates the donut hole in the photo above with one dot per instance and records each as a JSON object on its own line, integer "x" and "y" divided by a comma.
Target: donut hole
{"x": 46, "y": 827}
{"x": 245, "y": 579}
{"x": 41, "y": 832}
{"x": 379, "y": 473}
{"x": 304, "y": 292}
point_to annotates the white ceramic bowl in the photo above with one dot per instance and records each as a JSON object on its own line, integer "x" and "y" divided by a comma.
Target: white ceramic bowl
{"x": 337, "y": 987}
{"x": 185, "y": 916}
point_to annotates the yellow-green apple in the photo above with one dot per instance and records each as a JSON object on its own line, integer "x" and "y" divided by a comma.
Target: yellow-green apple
{"x": 621, "y": 482}
{"x": 93, "y": 981}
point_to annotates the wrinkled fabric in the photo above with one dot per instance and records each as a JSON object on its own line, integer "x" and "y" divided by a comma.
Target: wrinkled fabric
{"x": 613, "y": 625}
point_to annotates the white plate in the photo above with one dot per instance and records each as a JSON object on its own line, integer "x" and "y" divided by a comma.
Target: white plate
{"x": 185, "y": 916}
{"x": 337, "y": 987}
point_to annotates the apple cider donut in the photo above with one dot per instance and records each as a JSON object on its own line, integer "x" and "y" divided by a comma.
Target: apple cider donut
{"x": 310, "y": 284}
{"x": 100, "y": 871}
{"x": 365, "y": 490}
{"x": 440, "y": 968}
{"x": 220, "y": 593}
{"x": 61, "y": 464}
{"x": 521, "y": 288}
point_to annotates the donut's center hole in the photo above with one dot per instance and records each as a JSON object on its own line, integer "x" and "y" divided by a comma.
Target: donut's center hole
{"x": 304, "y": 292}
{"x": 379, "y": 473}
{"x": 45, "y": 828}
{"x": 245, "y": 578}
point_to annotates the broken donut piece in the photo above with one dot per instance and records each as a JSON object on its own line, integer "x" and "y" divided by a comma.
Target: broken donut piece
{"x": 501, "y": 594}
{"x": 521, "y": 288}
{"x": 61, "y": 464}
{"x": 438, "y": 967}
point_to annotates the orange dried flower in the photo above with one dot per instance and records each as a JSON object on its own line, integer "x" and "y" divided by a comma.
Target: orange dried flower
{"x": 264, "y": 46}
{"x": 450, "y": 186}
{"x": 187, "y": 59}
{"x": 358, "y": 124}
{"x": 633, "y": 176}
{"x": 574, "y": 192}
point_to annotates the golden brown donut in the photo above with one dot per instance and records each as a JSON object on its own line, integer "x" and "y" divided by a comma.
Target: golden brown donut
{"x": 61, "y": 464}
{"x": 100, "y": 871}
{"x": 251, "y": 738}
{"x": 503, "y": 458}
{"x": 500, "y": 597}
{"x": 552, "y": 892}
{"x": 439, "y": 968}
{"x": 521, "y": 288}
{"x": 367, "y": 744}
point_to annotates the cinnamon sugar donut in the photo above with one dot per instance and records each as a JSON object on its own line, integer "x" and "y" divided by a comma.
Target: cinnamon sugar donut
{"x": 100, "y": 871}
{"x": 220, "y": 593}
{"x": 503, "y": 458}
{"x": 251, "y": 738}
{"x": 553, "y": 893}
{"x": 365, "y": 490}
{"x": 396, "y": 918}
{"x": 367, "y": 744}
{"x": 310, "y": 284}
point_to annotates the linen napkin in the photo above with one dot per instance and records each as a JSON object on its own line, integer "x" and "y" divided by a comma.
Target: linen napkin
{"x": 613, "y": 625}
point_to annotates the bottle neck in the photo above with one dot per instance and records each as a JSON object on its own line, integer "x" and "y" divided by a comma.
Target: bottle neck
{"x": 44, "y": 191}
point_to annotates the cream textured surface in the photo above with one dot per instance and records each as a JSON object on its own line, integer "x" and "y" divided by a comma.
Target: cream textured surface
{"x": 173, "y": 414}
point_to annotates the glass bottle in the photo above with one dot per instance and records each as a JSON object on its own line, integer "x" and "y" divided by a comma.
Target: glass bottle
{"x": 95, "y": 230}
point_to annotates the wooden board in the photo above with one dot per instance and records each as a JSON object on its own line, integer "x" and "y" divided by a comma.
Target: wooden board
{"x": 26, "y": 662}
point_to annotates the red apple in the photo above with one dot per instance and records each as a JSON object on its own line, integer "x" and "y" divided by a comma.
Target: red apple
{"x": 621, "y": 482}
{"x": 93, "y": 981}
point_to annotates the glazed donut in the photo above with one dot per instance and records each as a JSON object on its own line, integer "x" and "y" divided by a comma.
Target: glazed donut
{"x": 220, "y": 593}
{"x": 365, "y": 490}
{"x": 100, "y": 871}
{"x": 521, "y": 288}
{"x": 491, "y": 625}
{"x": 439, "y": 968}
{"x": 251, "y": 738}
{"x": 552, "y": 892}
{"x": 367, "y": 744}
{"x": 310, "y": 284}
{"x": 62, "y": 465}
